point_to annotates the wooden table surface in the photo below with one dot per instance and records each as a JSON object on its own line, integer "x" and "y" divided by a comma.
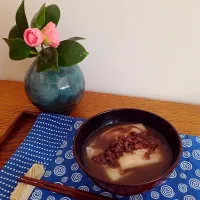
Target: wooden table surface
{"x": 185, "y": 117}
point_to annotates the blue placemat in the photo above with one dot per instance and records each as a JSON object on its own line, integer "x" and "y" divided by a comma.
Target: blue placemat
{"x": 40, "y": 146}
{"x": 183, "y": 184}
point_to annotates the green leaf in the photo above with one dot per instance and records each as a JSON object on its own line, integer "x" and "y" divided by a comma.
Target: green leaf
{"x": 76, "y": 38}
{"x": 52, "y": 14}
{"x": 70, "y": 53}
{"x": 14, "y": 33}
{"x": 48, "y": 60}
{"x": 38, "y": 20}
{"x": 21, "y": 19}
{"x": 18, "y": 49}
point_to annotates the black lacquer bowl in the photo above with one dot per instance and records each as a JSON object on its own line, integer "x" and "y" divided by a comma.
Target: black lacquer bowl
{"x": 136, "y": 116}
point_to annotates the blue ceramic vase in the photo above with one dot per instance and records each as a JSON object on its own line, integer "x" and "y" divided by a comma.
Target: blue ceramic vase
{"x": 55, "y": 92}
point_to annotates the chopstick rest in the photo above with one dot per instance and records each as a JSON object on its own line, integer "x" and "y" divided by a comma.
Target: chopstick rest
{"x": 23, "y": 191}
{"x": 32, "y": 178}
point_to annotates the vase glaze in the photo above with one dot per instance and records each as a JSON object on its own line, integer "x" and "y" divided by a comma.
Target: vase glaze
{"x": 55, "y": 92}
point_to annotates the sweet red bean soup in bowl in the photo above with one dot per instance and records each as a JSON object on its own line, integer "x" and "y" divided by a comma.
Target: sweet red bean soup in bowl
{"x": 127, "y": 151}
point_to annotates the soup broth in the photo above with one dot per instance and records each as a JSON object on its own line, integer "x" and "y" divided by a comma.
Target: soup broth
{"x": 127, "y": 154}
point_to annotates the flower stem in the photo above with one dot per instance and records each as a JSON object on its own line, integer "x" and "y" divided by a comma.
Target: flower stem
{"x": 33, "y": 53}
{"x": 42, "y": 47}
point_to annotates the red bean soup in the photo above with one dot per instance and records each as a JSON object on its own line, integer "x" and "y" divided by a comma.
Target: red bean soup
{"x": 126, "y": 154}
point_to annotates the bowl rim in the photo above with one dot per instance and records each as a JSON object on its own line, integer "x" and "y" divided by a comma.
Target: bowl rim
{"x": 163, "y": 176}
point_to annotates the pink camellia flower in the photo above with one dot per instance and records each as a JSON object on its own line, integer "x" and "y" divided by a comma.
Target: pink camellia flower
{"x": 51, "y": 35}
{"x": 33, "y": 37}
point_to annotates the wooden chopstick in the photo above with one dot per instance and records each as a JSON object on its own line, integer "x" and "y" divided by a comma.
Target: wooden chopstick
{"x": 65, "y": 190}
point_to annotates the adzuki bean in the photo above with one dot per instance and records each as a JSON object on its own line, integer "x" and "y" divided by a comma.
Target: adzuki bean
{"x": 129, "y": 143}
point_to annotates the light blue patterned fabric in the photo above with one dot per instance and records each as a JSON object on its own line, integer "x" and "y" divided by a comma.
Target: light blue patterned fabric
{"x": 183, "y": 184}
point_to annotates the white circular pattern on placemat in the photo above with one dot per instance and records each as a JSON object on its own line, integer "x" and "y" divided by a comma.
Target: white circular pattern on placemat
{"x": 84, "y": 188}
{"x": 64, "y": 179}
{"x": 198, "y": 139}
{"x": 182, "y": 187}
{"x": 167, "y": 191}
{"x": 183, "y": 176}
{"x": 186, "y": 154}
{"x": 59, "y": 160}
{"x": 155, "y": 195}
{"x": 51, "y": 198}
{"x": 196, "y": 154}
{"x": 76, "y": 177}
{"x": 59, "y": 170}
{"x": 65, "y": 198}
{"x": 47, "y": 174}
{"x": 185, "y": 165}
{"x": 119, "y": 196}
{"x": 136, "y": 197}
{"x": 59, "y": 152}
{"x": 96, "y": 188}
{"x": 187, "y": 143}
{"x": 74, "y": 167}
{"x": 64, "y": 144}
{"x": 37, "y": 194}
{"x": 173, "y": 174}
{"x": 194, "y": 183}
{"x": 106, "y": 194}
{"x": 182, "y": 135}
{"x": 197, "y": 172}
{"x": 78, "y": 124}
{"x": 189, "y": 197}
{"x": 72, "y": 146}
{"x": 59, "y": 183}
{"x": 69, "y": 154}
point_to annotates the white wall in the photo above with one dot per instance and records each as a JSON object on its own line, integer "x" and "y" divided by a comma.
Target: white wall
{"x": 147, "y": 48}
